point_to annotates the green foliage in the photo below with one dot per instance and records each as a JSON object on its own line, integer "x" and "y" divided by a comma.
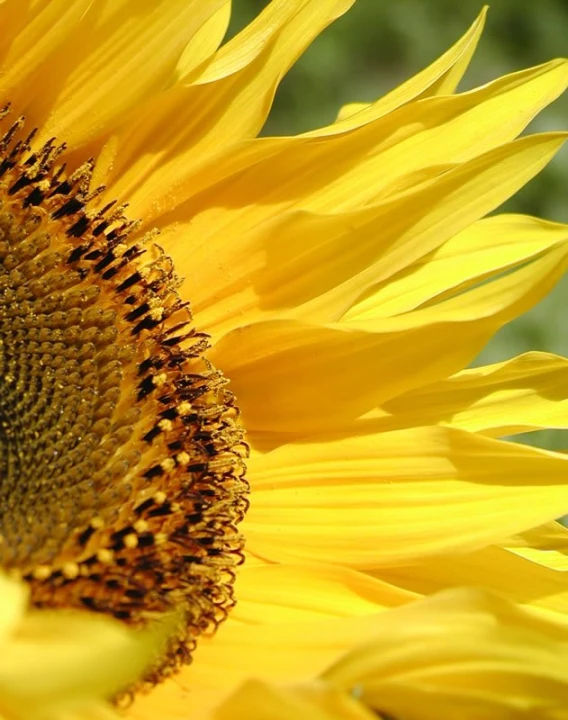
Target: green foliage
{"x": 377, "y": 44}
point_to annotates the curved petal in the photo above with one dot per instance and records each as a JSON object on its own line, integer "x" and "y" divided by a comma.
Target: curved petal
{"x": 57, "y": 664}
{"x": 487, "y": 247}
{"x": 199, "y": 151}
{"x": 122, "y": 52}
{"x": 307, "y": 265}
{"x": 15, "y": 15}
{"x": 497, "y": 569}
{"x": 546, "y": 545}
{"x": 439, "y": 78}
{"x": 463, "y": 651}
{"x": 227, "y": 103}
{"x": 285, "y": 593}
{"x": 527, "y": 393}
{"x": 446, "y": 130}
{"x": 34, "y": 44}
{"x": 290, "y": 377}
{"x": 460, "y": 654}
{"x": 13, "y": 606}
{"x": 204, "y": 42}
{"x": 244, "y": 48}
{"x": 482, "y": 301}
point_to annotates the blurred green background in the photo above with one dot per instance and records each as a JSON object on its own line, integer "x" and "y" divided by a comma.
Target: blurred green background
{"x": 377, "y": 44}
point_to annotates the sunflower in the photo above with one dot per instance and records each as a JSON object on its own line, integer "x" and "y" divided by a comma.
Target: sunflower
{"x": 195, "y": 320}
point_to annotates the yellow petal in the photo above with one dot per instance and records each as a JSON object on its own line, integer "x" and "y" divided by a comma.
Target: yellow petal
{"x": 371, "y": 161}
{"x": 286, "y": 593}
{"x": 330, "y": 176}
{"x": 527, "y": 393}
{"x": 291, "y": 377}
{"x": 240, "y": 651}
{"x": 246, "y": 47}
{"x": 204, "y": 42}
{"x": 460, "y": 654}
{"x": 14, "y": 600}
{"x": 351, "y": 109}
{"x": 227, "y": 103}
{"x": 38, "y": 39}
{"x": 546, "y": 545}
{"x": 510, "y": 294}
{"x": 121, "y": 53}
{"x": 294, "y": 378}
{"x": 256, "y": 700}
{"x": 393, "y": 497}
{"x": 63, "y": 664}
{"x": 305, "y": 265}
{"x": 467, "y": 191}
{"x": 444, "y": 130}
{"x": 498, "y": 569}
{"x": 488, "y": 246}
{"x": 14, "y": 17}
{"x": 441, "y": 77}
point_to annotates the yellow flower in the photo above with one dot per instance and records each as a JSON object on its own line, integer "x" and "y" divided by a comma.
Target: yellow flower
{"x": 459, "y": 654}
{"x": 63, "y": 664}
{"x": 345, "y": 278}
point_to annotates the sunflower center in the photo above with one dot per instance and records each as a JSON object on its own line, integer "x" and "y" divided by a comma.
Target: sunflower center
{"x": 121, "y": 457}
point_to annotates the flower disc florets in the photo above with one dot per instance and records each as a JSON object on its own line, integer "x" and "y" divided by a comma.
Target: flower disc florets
{"x": 121, "y": 456}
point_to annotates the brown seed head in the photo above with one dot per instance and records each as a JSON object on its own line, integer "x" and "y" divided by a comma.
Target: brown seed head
{"x": 121, "y": 456}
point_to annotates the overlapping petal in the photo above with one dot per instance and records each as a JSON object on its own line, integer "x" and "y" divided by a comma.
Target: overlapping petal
{"x": 230, "y": 98}
{"x": 57, "y": 665}
{"x": 121, "y": 53}
{"x": 204, "y": 43}
{"x": 241, "y": 80}
{"x": 482, "y": 250}
{"x": 307, "y": 265}
{"x": 461, "y": 652}
{"x": 295, "y": 378}
{"x": 43, "y": 30}
{"x": 439, "y": 78}
{"x": 522, "y": 580}
{"x": 281, "y": 652}
{"x": 546, "y": 545}
{"x": 526, "y": 393}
